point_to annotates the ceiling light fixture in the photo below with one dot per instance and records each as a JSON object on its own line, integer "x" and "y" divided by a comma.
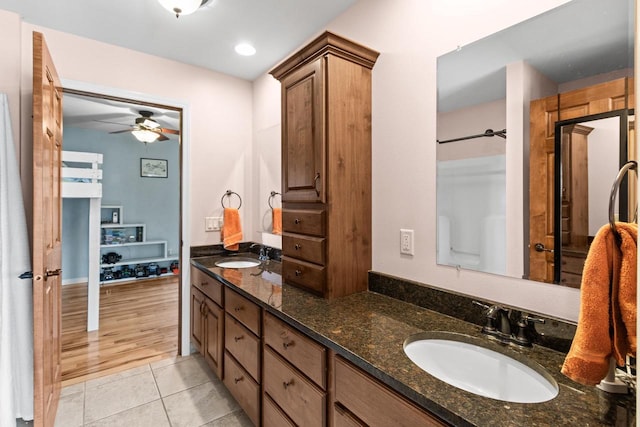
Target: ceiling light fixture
{"x": 182, "y": 7}
{"x": 245, "y": 49}
{"x": 144, "y": 135}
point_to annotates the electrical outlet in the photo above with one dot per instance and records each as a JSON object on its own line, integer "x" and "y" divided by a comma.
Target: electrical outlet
{"x": 406, "y": 241}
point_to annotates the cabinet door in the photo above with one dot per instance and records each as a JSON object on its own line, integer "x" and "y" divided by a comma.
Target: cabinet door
{"x": 197, "y": 326}
{"x": 303, "y": 134}
{"x": 214, "y": 330}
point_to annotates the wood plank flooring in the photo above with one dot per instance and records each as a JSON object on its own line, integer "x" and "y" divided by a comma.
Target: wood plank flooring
{"x": 138, "y": 325}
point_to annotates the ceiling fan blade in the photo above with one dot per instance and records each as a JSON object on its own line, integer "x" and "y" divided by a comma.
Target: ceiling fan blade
{"x": 121, "y": 131}
{"x": 171, "y": 131}
{"x": 162, "y": 137}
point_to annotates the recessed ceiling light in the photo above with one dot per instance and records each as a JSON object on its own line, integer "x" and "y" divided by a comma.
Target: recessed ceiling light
{"x": 245, "y": 49}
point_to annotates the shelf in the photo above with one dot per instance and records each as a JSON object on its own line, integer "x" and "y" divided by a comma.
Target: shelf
{"x": 147, "y": 243}
{"x": 131, "y": 279}
{"x": 118, "y": 225}
{"x": 133, "y": 261}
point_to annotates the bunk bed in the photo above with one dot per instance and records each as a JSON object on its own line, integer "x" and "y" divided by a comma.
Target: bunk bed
{"x": 81, "y": 178}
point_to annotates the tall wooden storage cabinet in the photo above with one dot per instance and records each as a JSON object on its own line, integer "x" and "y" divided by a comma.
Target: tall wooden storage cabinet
{"x": 326, "y": 166}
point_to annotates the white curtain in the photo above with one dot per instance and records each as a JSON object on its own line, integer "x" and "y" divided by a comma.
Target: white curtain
{"x": 16, "y": 307}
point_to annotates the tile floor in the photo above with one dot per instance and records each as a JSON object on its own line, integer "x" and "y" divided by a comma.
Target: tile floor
{"x": 176, "y": 392}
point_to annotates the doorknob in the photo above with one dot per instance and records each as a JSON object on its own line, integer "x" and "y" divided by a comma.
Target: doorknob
{"x": 539, "y": 247}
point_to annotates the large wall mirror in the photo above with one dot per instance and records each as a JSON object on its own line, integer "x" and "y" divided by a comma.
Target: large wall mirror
{"x": 502, "y": 102}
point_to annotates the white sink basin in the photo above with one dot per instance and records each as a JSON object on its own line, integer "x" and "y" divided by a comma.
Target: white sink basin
{"x": 464, "y": 362}
{"x": 237, "y": 263}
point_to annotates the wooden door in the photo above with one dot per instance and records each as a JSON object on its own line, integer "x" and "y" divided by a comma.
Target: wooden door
{"x": 214, "y": 330}
{"x": 303, "y": 135}
{"x": 47, "y": 238}
{"x": 544, "y": 113}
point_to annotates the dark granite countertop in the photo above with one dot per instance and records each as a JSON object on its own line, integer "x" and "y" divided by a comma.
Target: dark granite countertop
{"x": 369, "y": 329}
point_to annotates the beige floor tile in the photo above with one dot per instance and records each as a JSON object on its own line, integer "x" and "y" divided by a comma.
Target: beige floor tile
{"x": 116, "y": 396}
{"x": 169, "y": 361}
{"x": 148, "y": 415}
{"x": 70, "y": 410}
{"x": 181, "y": 376}
{"x": 72, "y": 389}
{"x": 117, "y": 376}
{"x": 199, "y": 405}
{"x": 234, "y": 419}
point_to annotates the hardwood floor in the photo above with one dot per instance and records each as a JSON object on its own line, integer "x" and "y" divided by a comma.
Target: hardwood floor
{"x": 138, "y": 325}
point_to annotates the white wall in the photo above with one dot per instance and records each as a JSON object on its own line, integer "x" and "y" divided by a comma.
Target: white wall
{"x": 410, "y": 34}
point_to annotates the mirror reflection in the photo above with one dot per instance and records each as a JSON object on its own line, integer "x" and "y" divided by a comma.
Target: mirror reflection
{"x": 499, "y": 100}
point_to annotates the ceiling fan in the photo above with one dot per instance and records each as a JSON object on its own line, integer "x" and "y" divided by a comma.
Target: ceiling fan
{"x": 146, "y": 129}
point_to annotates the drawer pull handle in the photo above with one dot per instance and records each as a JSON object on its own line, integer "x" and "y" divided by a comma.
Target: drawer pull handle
{"x": 286, "y": 345}
{"x": 297, "y": 247}
{"x": 237, "y": 380}
{"x": 237, "y": 309}
{"x": 297, "y": 221}
{"x": 204, "y": 283}
{"x": 286, "y": 384}
{"x": 238, "y": 338}
{"x": 298, "y": 273}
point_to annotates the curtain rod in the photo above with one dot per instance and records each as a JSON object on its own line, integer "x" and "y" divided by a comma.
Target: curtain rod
{"x": 489, "y": 132}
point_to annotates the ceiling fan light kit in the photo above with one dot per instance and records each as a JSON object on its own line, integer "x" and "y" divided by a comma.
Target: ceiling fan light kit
{"x": 144, "y": 135}
{"x": 182, "y": 7}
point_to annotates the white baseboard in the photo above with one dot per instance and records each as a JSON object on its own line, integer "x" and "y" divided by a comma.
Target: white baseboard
{"x": 77, "y": 280}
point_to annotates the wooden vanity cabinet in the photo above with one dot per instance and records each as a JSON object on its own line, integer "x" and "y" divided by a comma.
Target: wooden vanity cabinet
{"x": 361, "y": 400}
{"x": 242, "y": 361}
{"x": 295, "y": 376}
{"x": 207, "y": 319}
{"x": 326, "y": 166}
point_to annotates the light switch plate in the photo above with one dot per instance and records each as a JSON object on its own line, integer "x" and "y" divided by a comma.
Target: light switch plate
{"x": 212, "y": 223}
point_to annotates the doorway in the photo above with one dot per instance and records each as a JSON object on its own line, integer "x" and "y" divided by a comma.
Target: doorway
{"x": 138, "y": 256}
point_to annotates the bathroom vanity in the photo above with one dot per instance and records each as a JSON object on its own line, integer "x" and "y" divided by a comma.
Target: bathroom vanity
{"x": 341, "y": 362}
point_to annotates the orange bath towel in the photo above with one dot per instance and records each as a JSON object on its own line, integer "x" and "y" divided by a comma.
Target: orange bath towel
{"x": 276, "y": 221}
{"x": 607, "y": 319}
{"x": 231, "y": 233}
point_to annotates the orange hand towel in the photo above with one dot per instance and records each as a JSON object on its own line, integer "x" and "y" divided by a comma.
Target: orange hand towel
{"x": 607, "y": 303}
{"x": 277, "y": 221}
{"x": 231, "y": 233}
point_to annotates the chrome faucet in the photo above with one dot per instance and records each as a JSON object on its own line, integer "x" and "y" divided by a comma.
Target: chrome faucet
{"x": 264, "y": 251}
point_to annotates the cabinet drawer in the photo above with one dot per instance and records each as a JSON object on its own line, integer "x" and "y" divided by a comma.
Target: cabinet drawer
{"x": 272, "y": 416}
{"x": 302, "y": 221}
{"x": 373, "y": 403}
{"x": 573, "y": 264}
{"x": 207, "y": 284}
{"x": 299, "y": 350}
{"x": 243, "y": 388}
{"x": 304, "y": 274}
{"x": 298, "y": 397}
{"x": 243, "y": 310}
{"x": 242, "y": 345}
{"x": 307, "y": 248}
{"x": 343, "y": 418}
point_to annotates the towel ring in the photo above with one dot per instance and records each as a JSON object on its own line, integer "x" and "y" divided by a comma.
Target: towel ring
{"x": 273, "y": 194}
{"x": 228, "y": 194}
{"x": 630, "y": 165}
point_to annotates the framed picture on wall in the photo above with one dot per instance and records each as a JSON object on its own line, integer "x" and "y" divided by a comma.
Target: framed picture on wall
{"x": 153, "y": 168}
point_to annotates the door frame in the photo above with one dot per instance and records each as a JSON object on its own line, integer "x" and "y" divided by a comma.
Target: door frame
{"x": 185, "y": 195}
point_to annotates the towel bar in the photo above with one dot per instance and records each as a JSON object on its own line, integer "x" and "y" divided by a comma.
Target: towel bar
{"x": 630, "y": 165}
{"x": 228, "y": 193}
{"x": 273, "y": 194}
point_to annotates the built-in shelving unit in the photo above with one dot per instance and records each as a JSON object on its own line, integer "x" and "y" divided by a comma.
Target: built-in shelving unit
{"x": 125, "y": 252}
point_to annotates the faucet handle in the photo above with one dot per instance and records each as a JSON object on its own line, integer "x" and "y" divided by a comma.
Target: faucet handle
{"x": 490, "y": 317}
{"x": 522, "y": 337}
{"x": 530, "y": 319}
